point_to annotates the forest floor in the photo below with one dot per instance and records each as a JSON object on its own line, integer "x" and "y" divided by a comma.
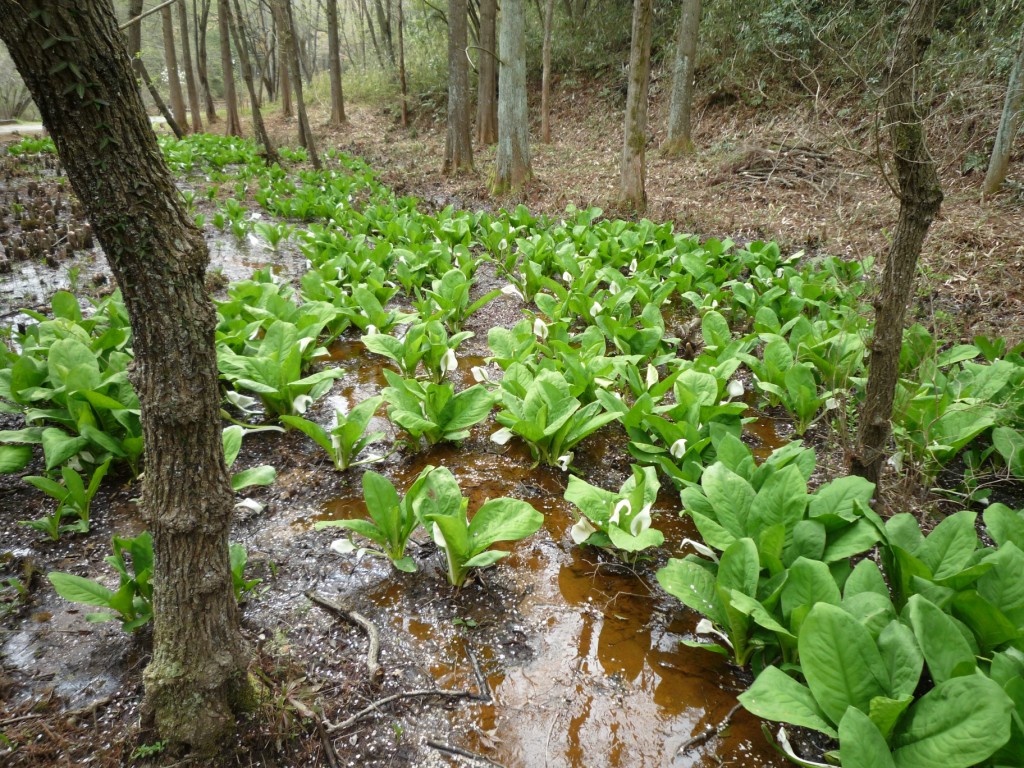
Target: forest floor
{"x": 567, "y": 641}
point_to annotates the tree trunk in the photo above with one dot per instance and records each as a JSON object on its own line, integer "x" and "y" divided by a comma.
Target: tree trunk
{"x": 403, "y": 87}
{"x": 512, "y": 167}
{"x": 288, "y": 42}
{"x": 545, "y": 87}
{"x": 171, "y": 62}
{"x": 234, "y": 123}
{"x": 337, "y": 97}
{"x": 634, "y": 169}
{"x": 920, "y": 198}
{"x": 384, "y": 21}
{"x": 237, "y": 32}
{"x": 1013, "y": 111}
{"x": 204, "y": 80}
{"x": 458, "y": 149}
{"x": 197, "y": 676}
{"x": 285, "y": 84}
{"x": 679, "y": 140}
{"x": 190, "y": 78}
{"x": 135, "y": 35}
{"x": 487, "y": 88}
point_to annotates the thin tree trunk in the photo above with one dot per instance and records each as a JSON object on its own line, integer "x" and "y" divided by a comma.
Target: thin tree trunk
{"x": 190, "y": 78}
{"x": 171, "y": 62}
{"x": 196, "y": 678}
{"x": 237, "y": 32}
{"x": 234, "y": 123}
{"x": 283, "y": 67}
{"x": 920, "y": 195}
{"x": 135, "y": 35}
{"x": 337, "y": 97}
{"x": 385, "y": 30}
{"x": 512, "y": 167}
{"x": 1009, "y": 124}
{"x": 634, "y": 168}
{"x": 458, "y": 150}
{"x": 157, "y": 99}
{"x": 204, "y": 80}
{"x": 487, "y": 87}
{"x": 545, "y": 87}
{"x": 403, "y": 87}
{"x": 680, "y": 110}
{"x": 289, "y": 43}
{"x": 373, "y": 35}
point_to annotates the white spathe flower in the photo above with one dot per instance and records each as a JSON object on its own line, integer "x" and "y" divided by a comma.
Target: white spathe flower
{"x": 595, "y": 309}
{"x": 735, "y": 389}
{"x": 253, "y": 240}
{"x": 371, "y": 330}
{"x": 622, "y": 507}
{"x": 566, "y": 278}
{"x": 705, "y": 627}
{"x": 632, "y": 266}
{"x": 511, "y": 290}
{"x": 641, "y": 522}
{"x": 240, "y": 401}
{"x": 540, "y": 329}
{"x": 701, "y": 548}
{"x": 652, "y": 376}
{"x": 787, "y": 749}
{"x": 582, "y": 531}
{"x": 678, "y": 449}
{"x": 342, "y": 546}
{"x": 478, "y": 373}
{"x": 831, "y": 404}
{"x": 439, "y": 537}
{"x": 449, "y": 362}
{"x": 503, "y": 244}
{"x": 613, "y": 288}
{"x": 502, "y": 436}
{"x": 714, "y": 303}
{"x": 251, "y": 504}
{"x": 780, "y": 272}
{"x": 564, "y": 461}
{"x": 301, "y": 403}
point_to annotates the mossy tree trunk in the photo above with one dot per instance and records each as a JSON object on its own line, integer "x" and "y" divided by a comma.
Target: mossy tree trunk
{"x": 1009, "y": 124}
{"x": 190, "y": 79}
{"x": 234, "y": 123}
{"x": 512, "y": 168}
{"x": 681, "y": 106}
{"x": 197, "y": 676}
{"x": 458, "y": 148}
{"x": 632, "y": 189}
{"x": 920, "y": 195}
{"x": 487, "y": 80}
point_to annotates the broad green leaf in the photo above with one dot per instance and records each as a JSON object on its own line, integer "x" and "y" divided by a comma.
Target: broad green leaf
{"x": 945, "y": 650}
{"x": 261, "y": 475}
{"x": 861, "y": 744}
{"x": 809, "y": 582}
{"x": 1005, "y": 525}
{"x": 58, "y": 446}
{"x": 839, "y": 497}
{"x": 503, "y": 520}
{"x": 950, "y": 547}
{"x": 902, "y": 658}
{"x": 14, "y": 458}
{"x": 731, "y": 497}
{"x": 694, "y": 587}
{"x": 80, "y": 590}
{"x": 781, "y": 500}
{"x": 774, "y": 695}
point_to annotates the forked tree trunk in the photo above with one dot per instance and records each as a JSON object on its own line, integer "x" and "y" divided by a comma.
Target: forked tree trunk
{"x": 171, "y": 62}
{"x": 679, "y": 140}
{"x": 238, "y": 33}
{"x": 197, "y": 676}
{"x": 1009, "y": 124}
{"x": 190, "y": 78}
{"x": 337, "y": 97}
{"x": 204, "y": 80}
{"x": 234, "y": 123}
{"x": 512, "y": 164}
{"x": 403, "y": 87}
{"x": 920, "y": 195}
{"x": 634, "y": 169}
{"x": 289, "y": 43}
{"x": 545, "y": 78}
{"x": 487, "y": 81}
{"x": 458, "y": 149}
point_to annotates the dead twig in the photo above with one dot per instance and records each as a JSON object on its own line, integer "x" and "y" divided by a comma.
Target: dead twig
{"x": 478, "y": 759}
{"x": 373, "y": 668}
{"x": 376, "y": 705}
{"x": 708, "y": 733}
{"x": 325, "y": 739}
{"x": 481, "y": 681}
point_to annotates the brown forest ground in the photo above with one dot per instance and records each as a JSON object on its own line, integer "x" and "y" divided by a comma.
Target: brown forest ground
{"x": 811, "y": 182}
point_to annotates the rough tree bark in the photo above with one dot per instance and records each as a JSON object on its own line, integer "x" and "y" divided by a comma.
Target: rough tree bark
{"x": 190, "y": 77}
{"x": 234, "y": 123}
{"x": 204, "y": 80}
{"x": 197, "y": 676}
{"x": 337, "y": 97}
{"x": 171, "y": 62}
{"x": 1009, "y": 124}
{"x": 545, "y": 78}
{"x": 238, "y": 33}
{"x": 487, "y": 82}
{"x": 288, "y": 42}
{"x": 920, "y": 195}
{"x": 285, "y": 84}
{"x": 458, "y": 148}
{"x": 512, "y": 168}
{"x": 679, "y": 140}
{"x": 632, "y": 189}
